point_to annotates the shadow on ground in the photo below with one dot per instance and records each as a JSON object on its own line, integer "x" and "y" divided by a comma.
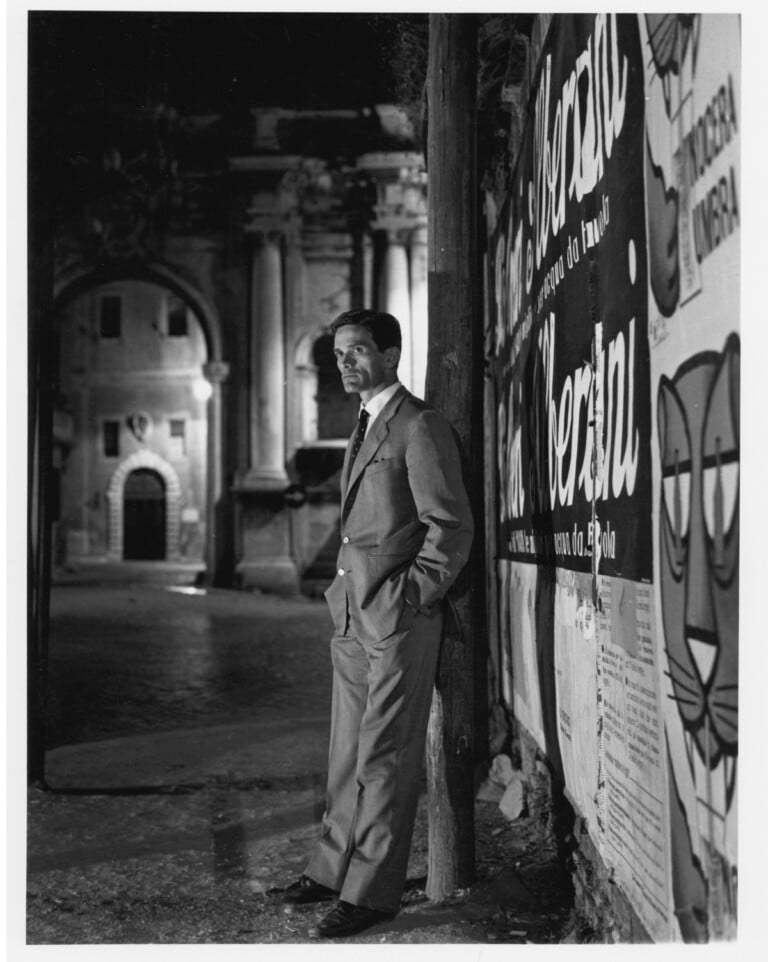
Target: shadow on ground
{"x": 203, "y": 867}
{"x": 185, "y": 783}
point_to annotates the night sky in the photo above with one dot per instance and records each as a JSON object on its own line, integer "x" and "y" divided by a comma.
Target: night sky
{"x": 198, "y": 62}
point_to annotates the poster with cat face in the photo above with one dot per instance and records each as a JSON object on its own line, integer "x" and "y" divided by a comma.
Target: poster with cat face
{"x": 693, "y": 124}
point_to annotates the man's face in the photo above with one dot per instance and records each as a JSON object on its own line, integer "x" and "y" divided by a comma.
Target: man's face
{"x": 365, "y": 370}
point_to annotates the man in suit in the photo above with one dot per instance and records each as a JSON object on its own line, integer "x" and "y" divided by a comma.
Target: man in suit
{"x": 406, "y": 530}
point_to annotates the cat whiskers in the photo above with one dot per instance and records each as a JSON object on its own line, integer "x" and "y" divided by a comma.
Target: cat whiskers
{"x": 679, "y": 684}
{"x": 683, "y": 701}
{"x": 681, "y": 666}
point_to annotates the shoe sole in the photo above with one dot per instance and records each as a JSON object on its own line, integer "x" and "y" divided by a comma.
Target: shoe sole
{"x": 317, "y": 933}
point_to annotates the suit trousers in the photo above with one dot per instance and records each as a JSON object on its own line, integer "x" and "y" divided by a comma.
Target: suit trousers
{"x": 382, "y": 693}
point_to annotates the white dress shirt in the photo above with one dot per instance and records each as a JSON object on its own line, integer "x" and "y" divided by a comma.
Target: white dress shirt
{"x": 377, "y": 403}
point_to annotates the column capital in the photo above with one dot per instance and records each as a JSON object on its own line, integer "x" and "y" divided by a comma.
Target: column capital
{"x": 327, "y": 245}
{"x": 399, "y": 218}
{"x": 398, "y": 228}
{"x": 216, "y": 371}
{"x": 419, "y": 235}
{"x": 293, "y": 229}
{"x": 392, "y": 164}
{"x": 264, "y": 229}
{"x": 400, "y": 182}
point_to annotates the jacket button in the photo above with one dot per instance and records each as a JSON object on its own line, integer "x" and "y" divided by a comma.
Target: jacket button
{"x": 345, "y": 539}
{"x": 341, "y": 571}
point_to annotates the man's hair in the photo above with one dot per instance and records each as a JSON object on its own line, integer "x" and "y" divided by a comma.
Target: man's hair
{"x": 383, "y": 327}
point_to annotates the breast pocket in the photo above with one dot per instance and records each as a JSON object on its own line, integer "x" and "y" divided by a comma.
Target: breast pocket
{"x": 383, "y": 464}
{"x": 389, "y": 496}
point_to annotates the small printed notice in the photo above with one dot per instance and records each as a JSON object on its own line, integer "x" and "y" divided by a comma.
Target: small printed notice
{"x": 575, "y": 673}
{"x": 632, "y": 780}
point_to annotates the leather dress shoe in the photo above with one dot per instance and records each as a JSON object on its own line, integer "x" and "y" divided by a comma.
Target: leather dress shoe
{"x": 305, "y": 891}
{"x": 347, "y": 919}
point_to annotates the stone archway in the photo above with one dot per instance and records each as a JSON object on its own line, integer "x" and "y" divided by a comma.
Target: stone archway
{"x": 83, "y": 277}
{"x": 152, "y": 461}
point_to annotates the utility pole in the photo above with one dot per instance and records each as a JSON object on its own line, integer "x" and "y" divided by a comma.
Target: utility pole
{"x": 455, "y": 387}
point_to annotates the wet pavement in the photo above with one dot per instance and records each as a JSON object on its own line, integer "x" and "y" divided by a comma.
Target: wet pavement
{"x": 125, "y": 660}
{"x": 186, "y": 775}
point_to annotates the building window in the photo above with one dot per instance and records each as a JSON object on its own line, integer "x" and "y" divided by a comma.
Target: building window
{"x": 111, "y": 439}
{"x": 110, "y": 315}
{"x": 178, "y": 438}
{"x": 177, "y": 319}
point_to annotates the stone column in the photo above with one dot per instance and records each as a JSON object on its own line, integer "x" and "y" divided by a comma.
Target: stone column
{"x": 215, "y": 372}
{"x": 396, "y": 297}
{"x": 367, "y": 270}
{"x": 400, "y": 207}
{"x": 266, "y": 560}
{"x": 419, "y": 313}
{"x": 267, "y": 389}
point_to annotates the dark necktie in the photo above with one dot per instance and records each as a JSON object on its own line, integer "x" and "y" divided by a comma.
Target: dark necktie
{"x": 362, "y": 424}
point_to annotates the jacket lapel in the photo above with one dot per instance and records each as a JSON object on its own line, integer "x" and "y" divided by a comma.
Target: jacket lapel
{"x": 373, "y": 441}
{"x": 345, "y": 468}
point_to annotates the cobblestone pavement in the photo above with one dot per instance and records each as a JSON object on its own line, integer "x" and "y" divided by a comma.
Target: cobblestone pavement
{"x": 132, "y": 659}
{"x": 206, "y": 867}
{"x": 186, "y": 776}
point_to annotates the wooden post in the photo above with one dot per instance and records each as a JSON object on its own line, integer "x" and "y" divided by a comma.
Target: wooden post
{"x": 455, "y": 387}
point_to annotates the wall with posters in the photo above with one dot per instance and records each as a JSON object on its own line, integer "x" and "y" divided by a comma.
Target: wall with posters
{"x": 614, "y": 332}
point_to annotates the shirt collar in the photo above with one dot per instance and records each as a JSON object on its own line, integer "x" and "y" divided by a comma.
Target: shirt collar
{"x": 378, "y": 402}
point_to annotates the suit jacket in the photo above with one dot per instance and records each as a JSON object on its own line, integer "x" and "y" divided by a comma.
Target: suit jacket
{"x": 406, "y": 523}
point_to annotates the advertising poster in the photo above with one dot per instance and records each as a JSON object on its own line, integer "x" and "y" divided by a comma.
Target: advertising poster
{"x": 570, "y": 293}
{"x": 633, "y": 806}
{"x": 614, "y": 272}
{"x": 574, "y": 428}
{"x": 693, "y": 127}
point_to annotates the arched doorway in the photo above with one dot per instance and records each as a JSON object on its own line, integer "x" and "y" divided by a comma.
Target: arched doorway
{"x": 144, "y": 516}
{"x": 140, "y": 467}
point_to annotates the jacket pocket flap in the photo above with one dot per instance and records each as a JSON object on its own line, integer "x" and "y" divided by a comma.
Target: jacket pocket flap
{"x": 383, "y": 464}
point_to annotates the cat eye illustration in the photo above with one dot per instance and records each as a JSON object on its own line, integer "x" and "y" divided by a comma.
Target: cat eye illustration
{"x": 698, "y": 415}
{"x": 720, "y": 463}
{"x": 675, "y": 476}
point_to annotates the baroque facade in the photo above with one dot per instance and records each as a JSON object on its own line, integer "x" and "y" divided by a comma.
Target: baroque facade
{"x": 198, "y": 267}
